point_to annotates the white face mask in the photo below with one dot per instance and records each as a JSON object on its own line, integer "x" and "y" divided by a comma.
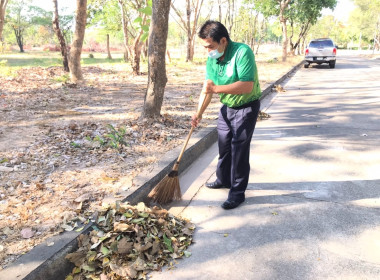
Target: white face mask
{"x": 215, "y": 54}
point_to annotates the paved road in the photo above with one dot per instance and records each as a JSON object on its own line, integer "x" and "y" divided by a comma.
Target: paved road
{"x": 313, "y": 201}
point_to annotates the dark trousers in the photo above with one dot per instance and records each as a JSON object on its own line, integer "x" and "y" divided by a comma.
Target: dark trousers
{"x": 235, "y": 128}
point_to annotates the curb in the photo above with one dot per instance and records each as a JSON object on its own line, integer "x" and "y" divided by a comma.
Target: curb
{"x": 49, "y": 263}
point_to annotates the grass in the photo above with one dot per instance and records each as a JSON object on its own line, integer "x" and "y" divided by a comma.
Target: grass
{"x": 268, "y": 62}
{"x": 10, "y": 62}
{"x": 48, "y": 59}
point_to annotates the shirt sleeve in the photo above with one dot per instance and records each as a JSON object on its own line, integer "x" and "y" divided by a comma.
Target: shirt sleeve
{"x": 245, "y": 65}
{"x": 207, "y": 69}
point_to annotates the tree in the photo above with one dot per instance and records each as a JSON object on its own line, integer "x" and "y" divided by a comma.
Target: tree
{"x": 136, "y": 20}
{"x": 252, "y": 25}
{"x": 144, "y": 9}
{"x": 283, "y": 19}
{"x": 76, "y": 47}
{"x": 105, "y": 14}
{"x": 17, "y": 17}
{"x": 230, "y": 15}
{"x": 156, "y": 51}
{"x": 108, "y": 47}
{"x": 366, "y": 21}
{"x": 60, "y": 37}
{"x": 124, "y": 21}
{"x": 3, "y": 6}
{"x": 189, "y": 23}
{"x": 302, "y": 15}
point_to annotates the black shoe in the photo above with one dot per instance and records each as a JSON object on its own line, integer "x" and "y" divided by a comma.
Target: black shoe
{"x": 215, "y": 185}
{"x": 231, "y": 204}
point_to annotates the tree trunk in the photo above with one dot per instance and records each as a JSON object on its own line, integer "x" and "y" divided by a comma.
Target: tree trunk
{"x": 3, "y": 6}
{"x": 188, "y": 28}
{"x": 284, "y": 40}
{"x": 61, "y": 39}
{"x": 108, "y": 47}
{"x": 76, "y": 47}
{"x": 262, "y": 34}
{"x": 19, "y": 38}
{"x": 186, "y": 24}
{"x": 254, "y": 30}
{"x": 190, "y": 51}
{"x": 137, "y": 46}
{"x": 145, "y": 49}
{"x": 220, "y": 10}
{"x": 302, "y": 34}
{"x": 156, "y": 51}
{"x": 291, "y": 36}
{"x": 283, "y": 5}
{"x": 230, "y": 15}
{"x": 125, "y": 30}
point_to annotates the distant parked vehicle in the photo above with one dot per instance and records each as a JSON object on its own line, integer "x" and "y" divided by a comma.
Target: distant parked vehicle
{"x": 320, "y": 51}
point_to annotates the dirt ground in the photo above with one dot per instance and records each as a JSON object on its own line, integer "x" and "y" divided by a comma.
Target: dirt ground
{"x": 64, "y": 148}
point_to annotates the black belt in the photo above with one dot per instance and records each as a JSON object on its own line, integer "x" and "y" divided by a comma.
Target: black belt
{"x": 246, "y": 105}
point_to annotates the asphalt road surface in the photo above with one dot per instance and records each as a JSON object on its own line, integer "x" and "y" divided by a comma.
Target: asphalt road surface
{"x": 312, "y": 208}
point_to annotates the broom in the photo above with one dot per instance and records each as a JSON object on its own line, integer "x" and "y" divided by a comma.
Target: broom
{"x": 168, "y": 188}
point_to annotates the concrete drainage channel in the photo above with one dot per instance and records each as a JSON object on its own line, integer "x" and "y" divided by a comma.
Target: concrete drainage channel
{"x": 49, "y": 263}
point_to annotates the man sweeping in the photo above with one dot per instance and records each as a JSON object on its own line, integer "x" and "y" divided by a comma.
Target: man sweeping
{"x": 231, "y": 73}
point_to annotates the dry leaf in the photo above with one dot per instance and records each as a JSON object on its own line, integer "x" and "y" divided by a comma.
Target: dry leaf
{"x": 119, "y": 270}
{"x": 82, "y": 198}
{"x": 124, "y": 246}
{"x": 104, "y": 277}
{"x": 27, "y": 233}
{"x": 122, "y": 227}
{"x": 77, "y": 257}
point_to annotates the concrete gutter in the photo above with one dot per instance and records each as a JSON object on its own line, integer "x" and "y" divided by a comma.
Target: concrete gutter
{"x": 48, "y": 262}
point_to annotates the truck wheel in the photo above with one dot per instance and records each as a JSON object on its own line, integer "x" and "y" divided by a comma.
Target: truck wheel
{"x": 306, "y": 65}
{"x": 332, "y": 64}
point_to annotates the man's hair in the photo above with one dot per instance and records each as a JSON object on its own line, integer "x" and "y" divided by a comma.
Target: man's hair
{"x": 214, "y": 30}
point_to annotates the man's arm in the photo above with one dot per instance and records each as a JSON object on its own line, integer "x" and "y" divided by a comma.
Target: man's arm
{"x": 238, "y": 87}
{"x": 204, "y": 101}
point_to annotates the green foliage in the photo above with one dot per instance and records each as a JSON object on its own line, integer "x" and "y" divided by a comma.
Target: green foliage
{"x": 301, "y": 11}
{"x": 144, "y": 13}
{"x": 33, "y": 24}
{"x": 62, "y": 79}
{"x": 38, "y": 16}
{"x": 116, "y": 137}
{"x": 365, "y": 20}
{"x": 105, "y": 15}
{"x": 75, "y": 145}
{"x": 100, "y": 140}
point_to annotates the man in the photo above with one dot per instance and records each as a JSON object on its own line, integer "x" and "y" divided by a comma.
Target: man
{"x": 230, "y": 72}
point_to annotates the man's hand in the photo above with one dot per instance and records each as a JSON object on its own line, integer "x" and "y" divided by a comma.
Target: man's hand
{"x": 195, "y": 120}
{"x": 209, "y": 87}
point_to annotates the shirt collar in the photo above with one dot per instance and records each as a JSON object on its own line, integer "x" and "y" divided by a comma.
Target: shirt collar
{"x": 227, "y": 56}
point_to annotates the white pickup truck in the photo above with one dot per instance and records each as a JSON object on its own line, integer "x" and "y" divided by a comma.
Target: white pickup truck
{"x": 320, "y": 51}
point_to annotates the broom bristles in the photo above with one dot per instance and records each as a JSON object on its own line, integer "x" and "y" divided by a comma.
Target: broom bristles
{"x": 167, "y": 190}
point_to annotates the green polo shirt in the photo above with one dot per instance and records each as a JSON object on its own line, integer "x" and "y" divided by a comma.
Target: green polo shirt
{"x": 238, "y": 65}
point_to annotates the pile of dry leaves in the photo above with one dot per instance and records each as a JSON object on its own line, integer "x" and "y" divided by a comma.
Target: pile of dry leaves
{"x": 128, "y": 242}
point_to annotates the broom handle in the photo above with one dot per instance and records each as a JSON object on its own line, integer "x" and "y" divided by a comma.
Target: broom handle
{"x": 206, "y": 98}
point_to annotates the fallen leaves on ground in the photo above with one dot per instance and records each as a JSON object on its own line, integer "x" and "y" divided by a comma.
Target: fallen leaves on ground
{"x": 263, "y": 116}
{"x": 128, "y": 242}
{"x": 63, "y": 149}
